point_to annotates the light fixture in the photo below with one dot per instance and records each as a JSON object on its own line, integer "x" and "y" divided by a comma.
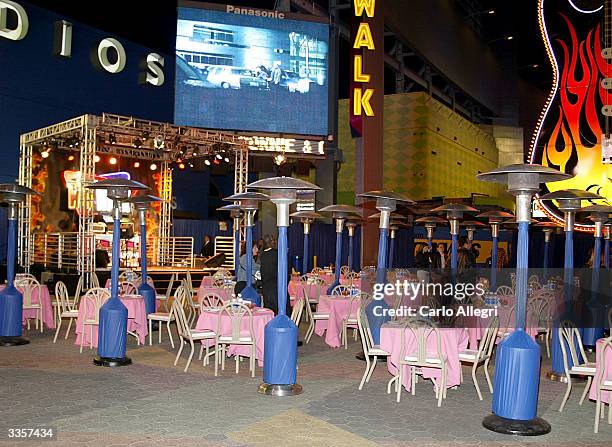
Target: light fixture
{"x": 191, "y": 165}
{"x": 45, "y": 153}
{"x": 137, "y": 143}
{"x": 113, "y": 161}
{"x": 181, "y": 166}
{"x": 136, "y": 164}
{"x": 207, "y": 162}
{"x": 112, "y": 139}
{"x": 509, "y": 37}
{"x": 153, "y": 167}
{"x": 280, "y": 159}
{"x": 70, "y": 157}
{"x": 218, "y": 156}
{"x": 96, "y": 158}
{"x": 491, "y": 11}
{"x": 226, "y": 159}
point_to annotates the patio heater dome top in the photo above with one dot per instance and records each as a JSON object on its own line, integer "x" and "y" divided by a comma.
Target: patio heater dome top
{"x": 143, "y": 201}
{"x": 431, "y": 220}
{"x": 603, "y": 209}
{"x": 284, "y": 183}
{"x": 113, "y": 183}
{"x": 230, "y": 207}
{"x": 570, "y": 194}
{"x": 310, "y": 215}
{"x": 454, "y": 210}
{"x": 13, "y": 193}
{"x": 355, "y": 221}
{"x": 546, "y": 224}
{"x": 341, "y": 211}
{"x": 249, "y": 201}
{"x": 394, "y": 216}
{"x": 472, "y": 223}
{"x": 523, "y": 177}
{"x": 389, "y": 195}
{"x": 496, "y": 216}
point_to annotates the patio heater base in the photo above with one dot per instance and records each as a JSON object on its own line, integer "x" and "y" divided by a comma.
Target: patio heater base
{"x": 280, "y": 390}
{"x": 111, "y": 362}
{"x": 554, "y": 377}
{"x": 533, "y": 427}
{"x": 13, "y": 341}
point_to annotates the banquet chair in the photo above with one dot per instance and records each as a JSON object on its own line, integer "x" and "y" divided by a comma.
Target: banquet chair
{"x": 189, "y": 279}
{"x": 127, "y": 288}
{"x": 504, "y": 290}
{"x": 63, "y": 309}
{"x": 165, "y": 299}
{"x": 21, "y": 276}
{"x": 341, "y": 289}
{"x": 421, "y": 330}
{"x": 93, "y": 299}
{"x": 127, "y": 275}
{"x": 344, "y": 270}
{"x": 352, "y": 276}
{"x": 78, "y": 292}
{"x": 235, "y": 311}
{"x": 222, "y": 274}
{"x": 541, "y": 318}
{"x": 603, "y": 382}
{"x": 317, "y": 271}
{"x": 369, "y": 349}
{"x": 351, "y": 319}
{"x": 296, "y": 312}
{"x": 313, "y": 317}
{"x": 94, "y": 280}
{"x": 482, "y": 355}
{"x": 508, "y": 327}
{"x": 165, "y": 317}
{"x": 211, "y": 299}
{"x": 29, "y": 287}
{"x": 534, "y": 282}
{"x": 570, "y": 339}
{"x": 186, "y": 334}
{"x": 192, "y": 308}
{"x": 219, "y": 283}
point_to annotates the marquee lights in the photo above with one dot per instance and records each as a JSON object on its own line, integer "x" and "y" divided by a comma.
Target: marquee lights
{"x": 363, "y": 39}
{"x": 284, "y": 145}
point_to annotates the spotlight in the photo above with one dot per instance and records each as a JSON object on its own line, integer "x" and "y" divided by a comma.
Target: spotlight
{"x": 136, "y": 164}
{"x": 112, "y": 139}
{"x": 191, "y": 165}
{"x": 280, "y": 159}
{"x": 113, "y": 161}
{"x": 96, "y": 159}
{"x": 181, "y": 166}
{"x": 218, "y": 156}
{"x": 226, "y": 159}
{"x": 45, "y": 153}
{"x": 153, "y": 167}
{"x": 207, "y": 162}
{"x": 70, "y": 157}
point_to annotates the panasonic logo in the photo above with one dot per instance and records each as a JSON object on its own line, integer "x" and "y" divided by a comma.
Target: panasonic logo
{"x": 254, "y": 12}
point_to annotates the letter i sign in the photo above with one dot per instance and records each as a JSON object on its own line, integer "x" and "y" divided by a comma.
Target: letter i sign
{"x": 363, "y": 40}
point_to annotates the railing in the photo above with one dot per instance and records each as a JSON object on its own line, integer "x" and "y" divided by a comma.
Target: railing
{"x": 225, "y": 244}
{"x": 170, "y": 251}
{"x": 57, "y": 250}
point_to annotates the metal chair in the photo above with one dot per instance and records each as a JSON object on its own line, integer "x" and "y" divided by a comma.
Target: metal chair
{"x": 92, "y": 302}
{"x": 235, "y": 311}
{"x": 369, "y": 349}
{"x": 29, "y": 287}
{"x": 603, "y": 382}
{"x": 63, "y": 309}
{"x": 166, "y": 317}
{"x": 188, "y": 335}
{"x": 482, "y": 355}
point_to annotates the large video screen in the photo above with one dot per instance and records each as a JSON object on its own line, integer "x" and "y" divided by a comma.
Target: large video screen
{"x": 242, "y": 71}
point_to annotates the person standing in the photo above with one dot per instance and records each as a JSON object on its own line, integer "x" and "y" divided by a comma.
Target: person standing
{"x": 439, "y": 258}
{"x": 207, "y": 247}
{"x": 268, "y": 261}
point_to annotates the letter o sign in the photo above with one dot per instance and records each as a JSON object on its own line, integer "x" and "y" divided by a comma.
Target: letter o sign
{"x": 105, "y": 63}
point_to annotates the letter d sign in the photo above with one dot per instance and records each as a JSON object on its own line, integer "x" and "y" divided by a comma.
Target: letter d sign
{"x": 21, "y": 29}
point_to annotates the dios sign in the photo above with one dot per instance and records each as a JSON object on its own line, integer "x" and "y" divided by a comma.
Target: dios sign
{"x": 153, "y": 63}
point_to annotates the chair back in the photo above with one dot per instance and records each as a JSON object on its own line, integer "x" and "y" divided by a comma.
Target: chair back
{"x": 317, "y": 271}
{"x": 534, "y": 282}
{"x": 604, "y": 371}
{"x": 236, "y": 311}
{"x": 365, "y": 333}
{"x": 344, "y": 270}
{"x": 127, "y": 288}
{"x": 504, "y": 290}
{"x": 341, "y": 289}
{"x": 178, "y": 312}
{"x": 29, "y": 286}
{"x": 354, "y": 305}
{"x": 188, "y": 278}
{"x": 93, "y": 301}
{"x": 211, "y": 300}
{"x": 188, "y": 293}
{"x": 78, "y": 292}
{"x": 296, "y": 312}
{"x": 170, "y": 285}
{"x": 61, "y": 298}
{"x": 95, "y": 282}
{"x": 421, "y": 330}
{"x": 219, "y": 283}
{"x": 571, "y": 340}
{"x": 22, "y": 276}
{"x": 304, "y": 279}
{"x": 222, "y": 273}
{"x": 487, "y": 342}
{"x": 508, "y": 326}
{"x": 538, "y": 313}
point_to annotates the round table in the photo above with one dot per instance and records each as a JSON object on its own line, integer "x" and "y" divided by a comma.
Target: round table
{"x": 338, "y": 308}
{"x": 47, "y": 308}
{"x": 605, "y": 395}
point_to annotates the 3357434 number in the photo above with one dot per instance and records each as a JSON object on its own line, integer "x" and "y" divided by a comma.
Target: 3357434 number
{"x": 37, "y": 432}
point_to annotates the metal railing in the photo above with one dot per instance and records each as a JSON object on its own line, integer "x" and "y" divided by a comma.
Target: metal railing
{"x": 57, "y": 250}
{"x": 170, "y": 251}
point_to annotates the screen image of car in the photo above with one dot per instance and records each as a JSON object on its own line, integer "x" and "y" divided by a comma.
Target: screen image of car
{"x": 251, "y": 73}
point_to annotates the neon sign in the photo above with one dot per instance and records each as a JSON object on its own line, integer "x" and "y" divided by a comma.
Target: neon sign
{"x": 363, "y": 39}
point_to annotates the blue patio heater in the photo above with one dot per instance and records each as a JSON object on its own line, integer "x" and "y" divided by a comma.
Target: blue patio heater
{"x": 454, "y": 213}
{"x": 281, "y": 334}
{"x": 495, "y": 219}
{"x": 112, "y": 329}
{"x": 142, "y": 204}
{"x": 569, "y": 202}
{"x": 517, "y": 368}
{"x": 548, "y": 229}
{"x": 430, "y": 223}
{"x": 386, "y": 202}
{"x": 11, "y": 300}
{"x": 249, "y": 203}
{"x": 351, "y": 224}
{"x": 396, "y": 221}
{"x": 608, "y": 232}
{"x": 307, "y": 218}
{"x": 234, "y": 210}
{"x": 340, "y": 213}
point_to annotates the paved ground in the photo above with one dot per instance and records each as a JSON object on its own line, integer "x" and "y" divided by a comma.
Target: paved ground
{"x": 152, "y": 403}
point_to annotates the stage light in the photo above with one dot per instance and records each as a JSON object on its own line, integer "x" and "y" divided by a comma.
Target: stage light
{"x": 70, "y": 157}
{"x": 509, "y": 37}
{"x": 207, "y": 162}
{"x": 218, "y": 156}
{"x": 97, "y": 159}
{"x": 226, "y": 159}
{"x": 280, "y": 159}
{"x": 181, "y": 166}
{"x": 136, "y": 164}
{"x": 113, "y": 161}
{"x": 45, "y": 153}
{"x": 191, "y": 165}
{"x": 153, "y": 167}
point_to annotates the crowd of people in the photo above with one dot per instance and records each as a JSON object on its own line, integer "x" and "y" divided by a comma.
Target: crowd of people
{"x": 438, "y": 257}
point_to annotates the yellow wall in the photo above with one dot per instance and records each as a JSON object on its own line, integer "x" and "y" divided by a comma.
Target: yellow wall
{"x": 424, "y": 143}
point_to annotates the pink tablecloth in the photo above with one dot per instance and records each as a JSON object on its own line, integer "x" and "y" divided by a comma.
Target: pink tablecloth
{"x": 338, "y": 309}
{"x": 47, "y": 308}
{"x": 296, "y": 290}
{"x": 224, "y": 293}
{"x": 209, "y": 319}
{"x": 207, "y": 281}
{"x": 454, "y": 340}
{"x": 137, "y": 320}
{"x": 605, "y": 395}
